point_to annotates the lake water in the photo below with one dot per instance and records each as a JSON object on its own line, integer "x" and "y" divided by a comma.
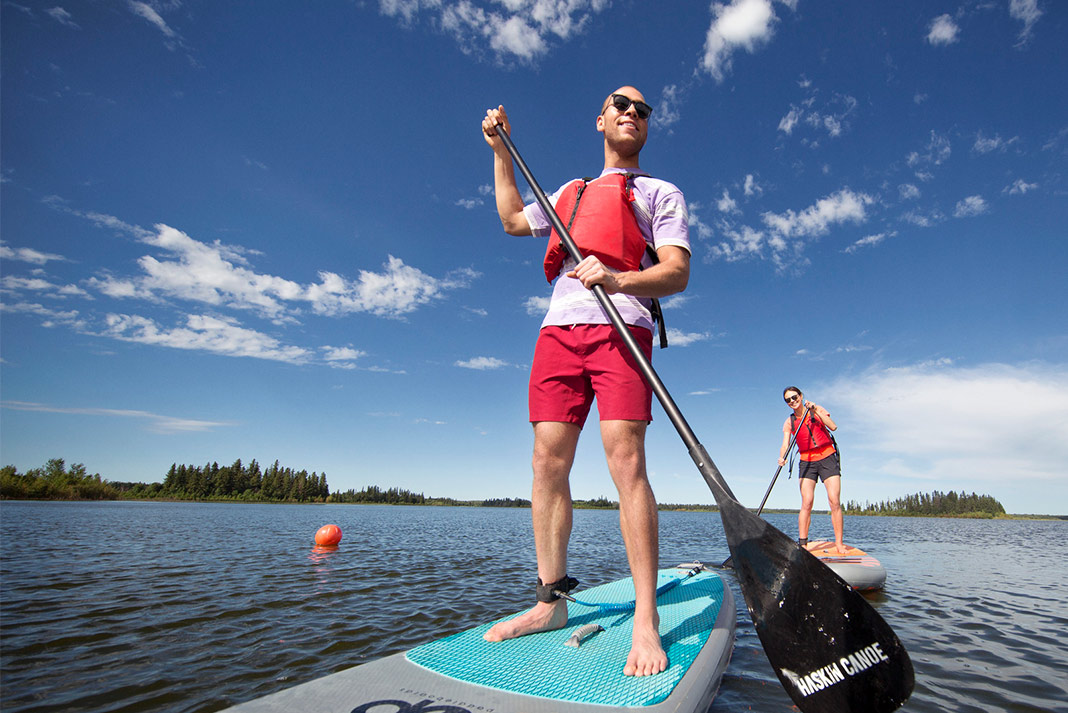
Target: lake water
{"x": 194, "y": 607}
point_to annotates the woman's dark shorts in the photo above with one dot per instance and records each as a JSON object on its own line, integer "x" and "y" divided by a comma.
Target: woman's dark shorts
{"x": 822, "y": 469}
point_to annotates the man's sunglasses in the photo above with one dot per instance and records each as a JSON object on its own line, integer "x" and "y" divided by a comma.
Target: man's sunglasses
{"x": 622, "y": 102}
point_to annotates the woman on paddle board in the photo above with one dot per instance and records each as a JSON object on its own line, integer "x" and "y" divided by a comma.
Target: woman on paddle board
{"x": 819, "y": 459}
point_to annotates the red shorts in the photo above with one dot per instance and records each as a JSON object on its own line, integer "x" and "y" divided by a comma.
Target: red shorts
{"x": 575, "y": 363}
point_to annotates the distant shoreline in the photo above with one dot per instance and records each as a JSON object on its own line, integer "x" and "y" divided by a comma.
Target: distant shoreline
{"x": 578, "y": 505}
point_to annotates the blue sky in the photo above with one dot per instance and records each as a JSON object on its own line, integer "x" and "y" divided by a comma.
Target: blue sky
{"x": 266, "y": 230}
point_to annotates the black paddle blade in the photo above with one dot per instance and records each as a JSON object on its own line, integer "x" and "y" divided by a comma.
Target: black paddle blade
{"x": 830, "y": 649}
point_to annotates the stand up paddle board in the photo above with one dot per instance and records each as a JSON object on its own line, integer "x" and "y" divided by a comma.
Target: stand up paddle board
{"x": 859, "y": 569}
{"x": 577, "y": 669}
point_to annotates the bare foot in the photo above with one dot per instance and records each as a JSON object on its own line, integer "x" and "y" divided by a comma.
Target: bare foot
{"x": 647, "y": 656}
{"x": 841, "y": 549}
{"x": 543, "y": 617}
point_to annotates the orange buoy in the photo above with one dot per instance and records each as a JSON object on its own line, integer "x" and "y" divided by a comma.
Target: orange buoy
{"x": 328, "y": 536}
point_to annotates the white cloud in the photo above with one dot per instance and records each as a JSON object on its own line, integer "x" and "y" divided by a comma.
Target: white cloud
{"x": 29, "y": 255}
{"x": 726, "y": 204}
{"x": 677, "y": 338}
{"x": 788, "y": 122}
{"x": 156, "y": 422}
{"x": 147, "y": 12}
{"x": 984, "y": 145}
{"x": 482, "y": 363}
{"x": 342, "y": 354}
{"x": 817, "y": 219}
{"x": 512, "y": 29}
{"x": 470, "y": 203}
{"x": 908, "y": 191}
{"x": 50, "y": 317}
{"x": 929, "y": 412}
{"x": 744, "y": 24}
{"x": 970, "y": 207}
{"x": 787, "y": 234}
{"x": 869, "y": 241}
{"x": 1019, "y": 187}
{"x": 937, "y": 152}
{"x": 221, "y": 276}
{"x": 218, "y": 335}
{"x": 62, "y": 17}
{"x": 536, "y": 306}
{"x": 667, "y": 112}
{"x": 751, "y": 186}
{"x": 1027, "y": 12}
{"x": 14, "y": 283}
{"x": 942, "y": 31}
{"x": 832, "y": 117}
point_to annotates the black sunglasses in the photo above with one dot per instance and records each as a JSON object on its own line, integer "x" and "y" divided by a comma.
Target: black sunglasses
{"x": 792, "y": 398}
{"x": 622, "y": 102}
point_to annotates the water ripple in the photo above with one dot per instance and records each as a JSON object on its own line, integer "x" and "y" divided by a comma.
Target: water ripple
{"x": 185, "y": 607}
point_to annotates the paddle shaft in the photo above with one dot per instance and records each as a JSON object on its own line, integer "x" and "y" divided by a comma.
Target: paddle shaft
{"x": 700, "y": 457}
{"x": 793, "y": 438}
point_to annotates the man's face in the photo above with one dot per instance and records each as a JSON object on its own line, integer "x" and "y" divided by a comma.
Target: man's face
{"x": 624, "y": 128}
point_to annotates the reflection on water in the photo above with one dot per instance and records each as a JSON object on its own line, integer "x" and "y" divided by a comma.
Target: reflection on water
{"x": 194, "y": 607}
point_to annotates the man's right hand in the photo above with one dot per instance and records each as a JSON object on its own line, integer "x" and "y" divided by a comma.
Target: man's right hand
{"x": 494, "y": 118}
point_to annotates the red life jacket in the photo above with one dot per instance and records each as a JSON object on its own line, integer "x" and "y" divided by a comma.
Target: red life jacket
{"x": 812, "y": 436}
{"x": 601, "y": 221}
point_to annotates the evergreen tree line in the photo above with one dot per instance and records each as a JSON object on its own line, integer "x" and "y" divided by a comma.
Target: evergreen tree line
{"x": 400, "y": 496}
{"x": 244, "y": 482}
{"x": 932, "y": 504}
{"x": 183, "y": 482}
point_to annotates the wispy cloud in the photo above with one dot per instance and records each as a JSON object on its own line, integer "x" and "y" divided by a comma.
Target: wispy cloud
{"x": 29, "y": 255}
{"x": 217, "y": 278}
{"x": 970, "y": 207}
{"x": 869, "y": 241}
{"x": 155, "y": 423}
{"x": 63, "y": 17}
{"x": 147, "y": 12}
{"x": 932, "y": 408}
{"x": 217, "y": 335}
{"x": 217, "y": 274}
{"x": 943, "y": 30}
{"x": 512, "y": 30}
{"x": 785, "y": 235}
{"x": 678, "y": 338}
{"x": 482, "y": 363}
{"x": 1027, "y": 12}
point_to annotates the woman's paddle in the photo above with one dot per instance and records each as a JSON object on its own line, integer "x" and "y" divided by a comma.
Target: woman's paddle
{"x": 793, "y": 437}
{"x": 830, "y": 649}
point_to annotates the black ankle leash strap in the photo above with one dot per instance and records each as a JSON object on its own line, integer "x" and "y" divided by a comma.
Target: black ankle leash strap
{"x": 555, "y": 590}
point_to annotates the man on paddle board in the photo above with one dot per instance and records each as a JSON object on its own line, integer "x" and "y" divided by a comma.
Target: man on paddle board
{"x": 578, "y": 355}
{"x": 819, "y": 459}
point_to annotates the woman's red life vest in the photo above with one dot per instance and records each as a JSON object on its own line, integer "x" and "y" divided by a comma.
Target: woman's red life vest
{"x": 600, "y": 219}
{"x": 813, "y": 434}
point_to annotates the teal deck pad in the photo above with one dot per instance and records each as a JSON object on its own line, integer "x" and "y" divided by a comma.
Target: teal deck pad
{"x": 541, "y": 665}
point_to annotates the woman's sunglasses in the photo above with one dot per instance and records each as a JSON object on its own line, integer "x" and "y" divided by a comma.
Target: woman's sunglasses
{"x": 622, "y": 102}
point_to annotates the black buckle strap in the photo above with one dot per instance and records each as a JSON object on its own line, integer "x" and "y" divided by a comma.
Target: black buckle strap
{"x": 555, "y": 590}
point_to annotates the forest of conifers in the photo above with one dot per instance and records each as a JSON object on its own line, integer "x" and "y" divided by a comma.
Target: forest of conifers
{"x": 934, "y": 503}
{"x": 251, "y": 483}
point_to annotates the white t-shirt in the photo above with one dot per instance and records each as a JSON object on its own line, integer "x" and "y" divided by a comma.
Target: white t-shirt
{"x": 660, "y": 210}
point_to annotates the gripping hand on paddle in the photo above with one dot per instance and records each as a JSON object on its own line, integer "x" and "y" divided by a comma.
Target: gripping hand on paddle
{"x": 495, "y": 117}
{"x": 592, "y": 271}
